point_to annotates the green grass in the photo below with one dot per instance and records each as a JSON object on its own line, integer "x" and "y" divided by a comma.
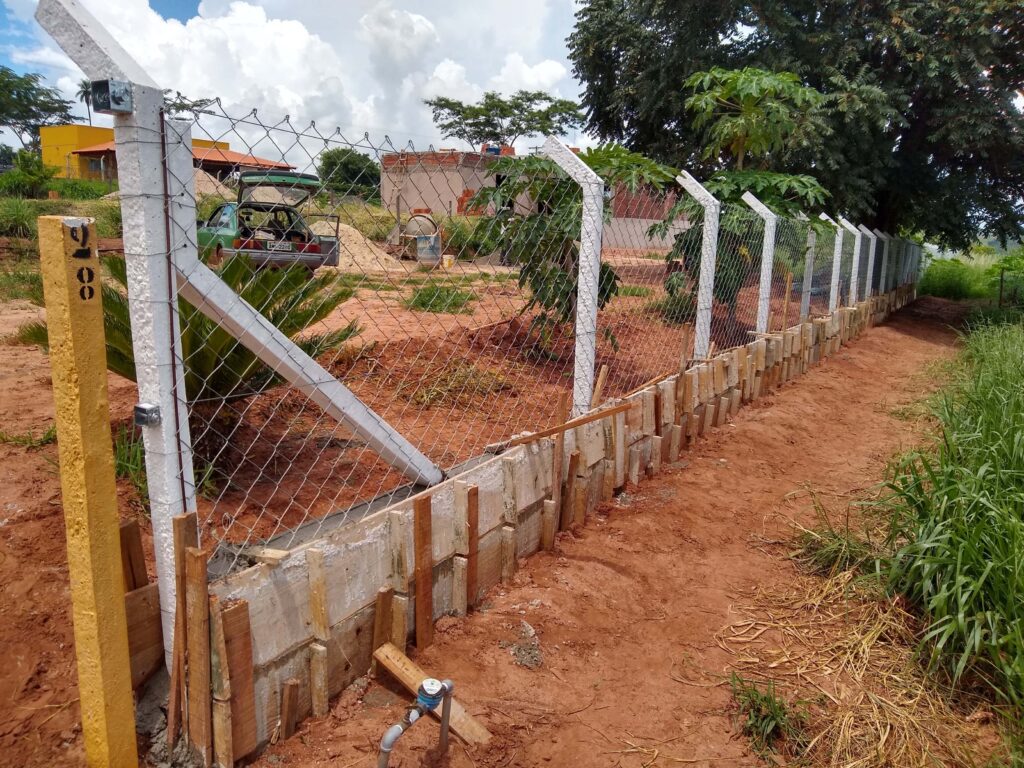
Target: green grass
{"x": 634, "y": 290}
{"x": 18, "y": 215}
{"x": 440, "y": 298}
{"x": 130, "y": 460}
{"x": 827, "y": 549}
{"x": 28, "y": 440}
{"x": 954, "y": 279}
{"x": 957, "y": 528}
{"x": 16, "y": 218}
{"x": 676, "y": 309}
{"x": 767, "y": 719}
{"x": 21, "y": 281}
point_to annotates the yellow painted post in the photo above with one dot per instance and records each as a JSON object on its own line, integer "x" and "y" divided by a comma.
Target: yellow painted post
{"x": 74, "y": 319}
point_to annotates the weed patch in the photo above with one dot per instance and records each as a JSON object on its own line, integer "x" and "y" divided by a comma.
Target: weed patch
{"x": 455, "y": 384}
{"x": 28, "y": 440}
{"x": 438, "y": 298}
{"x": 769, "y": 721}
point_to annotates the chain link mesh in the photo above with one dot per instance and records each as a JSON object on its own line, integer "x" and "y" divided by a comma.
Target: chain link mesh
{"x": 439, "y": 288}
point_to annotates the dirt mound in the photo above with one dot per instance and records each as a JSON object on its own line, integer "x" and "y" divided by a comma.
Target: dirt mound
{"x": 207, "y": 185}
{"x": 356, "y": 253}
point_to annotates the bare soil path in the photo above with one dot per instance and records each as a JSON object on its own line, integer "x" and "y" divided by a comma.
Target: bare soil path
{"x": 629, "y": 608}
{"x": 618, "y": 611}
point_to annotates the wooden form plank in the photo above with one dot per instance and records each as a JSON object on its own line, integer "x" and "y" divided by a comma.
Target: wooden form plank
{"x": 463, "y": 725}
{"x": 317, "y": 575}
{"x": 383, "y": 620}
{"x": 223, "y": 747}
{"x": 238, "y": 641}
{"x": 569, "y": 493}
{"x": 267, "y": 555}
{"x": 472, "y": 545}
{"x": 145, "y": 633}
{"x": 185, "y": 530}
{"x": 220, "y": 677}
{"x": 197, "y": 602}
{"x": 289, "y": 707}
{"x": 424, "y": 545}
{"x": 602, "y": 377}
{"x": 318, "y": 679}
{"x": 548, "y": 525}
{"x": 133, "y": 561}
{"x": 508, "y": 553}
{"x": 558, "y": 454}
{"x": 400, "y": 621}
{"x": 459, "y": 599}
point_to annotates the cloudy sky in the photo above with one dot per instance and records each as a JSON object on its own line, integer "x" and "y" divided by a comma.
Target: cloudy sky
{"x": 365, "y": 67}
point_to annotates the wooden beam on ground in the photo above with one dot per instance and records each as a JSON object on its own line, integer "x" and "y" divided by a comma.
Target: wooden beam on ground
{"x": 133, "y": 561}
{"x": 186, "y": 534}
{"x": 197, "y": 600}
{"x": 463, "y": 725}
{"x": 424, "y": 563}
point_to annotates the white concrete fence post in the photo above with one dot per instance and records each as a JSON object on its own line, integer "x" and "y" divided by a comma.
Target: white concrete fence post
{"x": 708, "y": 253}
{"x": 884, "y": 272}
{"x": 764, "y": 293}
{"x": 837, "y": 259}
{"x": 855, "y": 263}
{"x": 869, "y": 278}
{"x": 805, "y": 287}
{"x": 588, "y": 284}
{"x": 152, "y": 304}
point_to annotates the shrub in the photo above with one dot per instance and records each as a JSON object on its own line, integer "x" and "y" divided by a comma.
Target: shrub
{"x": 767, "y": 719}
{"x": 957, "y": 529}
{"x": 28, "y": 178}
{"x": 680, "y": 305}
{"x": 80, "y": 189}
{"x": 21, "y": 281}
{"x": 471, "y": 238}
{"x": 108, "y": 221}
{"x": 16, "y": 219}
{"x": 953, "y": 279}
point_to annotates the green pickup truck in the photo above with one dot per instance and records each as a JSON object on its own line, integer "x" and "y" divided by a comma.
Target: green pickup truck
{"x": 265, "y": 225}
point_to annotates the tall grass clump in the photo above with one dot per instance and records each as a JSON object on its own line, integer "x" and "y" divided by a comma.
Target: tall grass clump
{"x": 954, "y": 279}
{"x": 958, "y": 526}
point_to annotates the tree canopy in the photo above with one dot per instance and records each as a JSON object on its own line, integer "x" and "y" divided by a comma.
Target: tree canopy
{"x": 26, "y": 105}
{"x": 500, "y": 120}
{"x": 349, "y": 172}
{"x": 921, "y": 126}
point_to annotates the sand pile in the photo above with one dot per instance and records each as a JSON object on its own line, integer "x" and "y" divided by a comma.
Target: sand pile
{"x": 356, "y": 253}
{"x": 207, "y": 185}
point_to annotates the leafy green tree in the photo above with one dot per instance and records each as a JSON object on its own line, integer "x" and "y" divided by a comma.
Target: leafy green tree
{"x": 545, "y": 240}
{"x": 6, "y": 155}
{"x": 496, "y": 119}
{"x": 29, "y": 177}
{"x": 84, "y": 95}
{"x": 26, "y": 105}
{"x": 924, "y": 130}
{"x": 349, "y": 172}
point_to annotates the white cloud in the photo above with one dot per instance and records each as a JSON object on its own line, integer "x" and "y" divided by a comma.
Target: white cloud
{"x": 364, "y": 65}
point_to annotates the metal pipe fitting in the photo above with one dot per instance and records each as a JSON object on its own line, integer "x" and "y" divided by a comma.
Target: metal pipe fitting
{"x": 431, "y": 693}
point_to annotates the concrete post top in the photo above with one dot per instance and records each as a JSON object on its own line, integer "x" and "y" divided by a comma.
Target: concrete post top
{"x": 850, "y": 228}
{"x": 696, "y": 190}
{"x": 759, "y": 208}
{"x": 569, "y": 162}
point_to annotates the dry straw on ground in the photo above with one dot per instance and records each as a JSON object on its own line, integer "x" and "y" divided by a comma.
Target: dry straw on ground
{"x": 847, "y": 650}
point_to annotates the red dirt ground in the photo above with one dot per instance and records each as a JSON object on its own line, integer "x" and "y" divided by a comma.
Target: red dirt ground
{"x": 636, "y": 598}
{"x": 643, "y": 588}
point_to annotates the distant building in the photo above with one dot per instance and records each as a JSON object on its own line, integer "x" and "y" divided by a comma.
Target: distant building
{"x": 87, "y": 152}
{"x": 438, "y": 182}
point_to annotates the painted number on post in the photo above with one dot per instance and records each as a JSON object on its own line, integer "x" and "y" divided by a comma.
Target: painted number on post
{"x": 86, "y": 275}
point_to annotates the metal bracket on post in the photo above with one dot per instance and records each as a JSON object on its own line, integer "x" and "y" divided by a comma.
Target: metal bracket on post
{"x": 837, "y": 257}
{"x": 869, "y": 278}
{"x": 805, "y": 287}
{"x": 855, "y": 265}
{"x": 588, "y": 280}
{"x": 764, "y": 292}
{"x": 884, "y": 273}
{"x": 708, "y": 254}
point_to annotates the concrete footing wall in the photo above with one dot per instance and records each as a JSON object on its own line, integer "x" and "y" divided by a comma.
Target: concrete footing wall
{"x": 378, "y": 550}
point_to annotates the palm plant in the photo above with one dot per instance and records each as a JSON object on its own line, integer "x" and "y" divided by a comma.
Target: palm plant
{"x": 84, "y": 95}
{"x": 218, "y": 369}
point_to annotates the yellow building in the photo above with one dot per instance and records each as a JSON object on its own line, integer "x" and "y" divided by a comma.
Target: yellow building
{"x": 59, "y": 142}
{"x": 87, "y": 152}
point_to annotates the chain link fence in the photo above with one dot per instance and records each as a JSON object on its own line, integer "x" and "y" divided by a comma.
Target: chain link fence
{"x": 353, "y": 319}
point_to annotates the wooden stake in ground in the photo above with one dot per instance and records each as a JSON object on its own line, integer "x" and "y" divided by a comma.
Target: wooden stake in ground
{"x": 186, "y": 534}
{"x": 602, "y": 377}
{"x": 558, "y": 453}
{"x": 198, "y": 606}
{"x": 423, "y": 538}
{"x": 74, "y": 318}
